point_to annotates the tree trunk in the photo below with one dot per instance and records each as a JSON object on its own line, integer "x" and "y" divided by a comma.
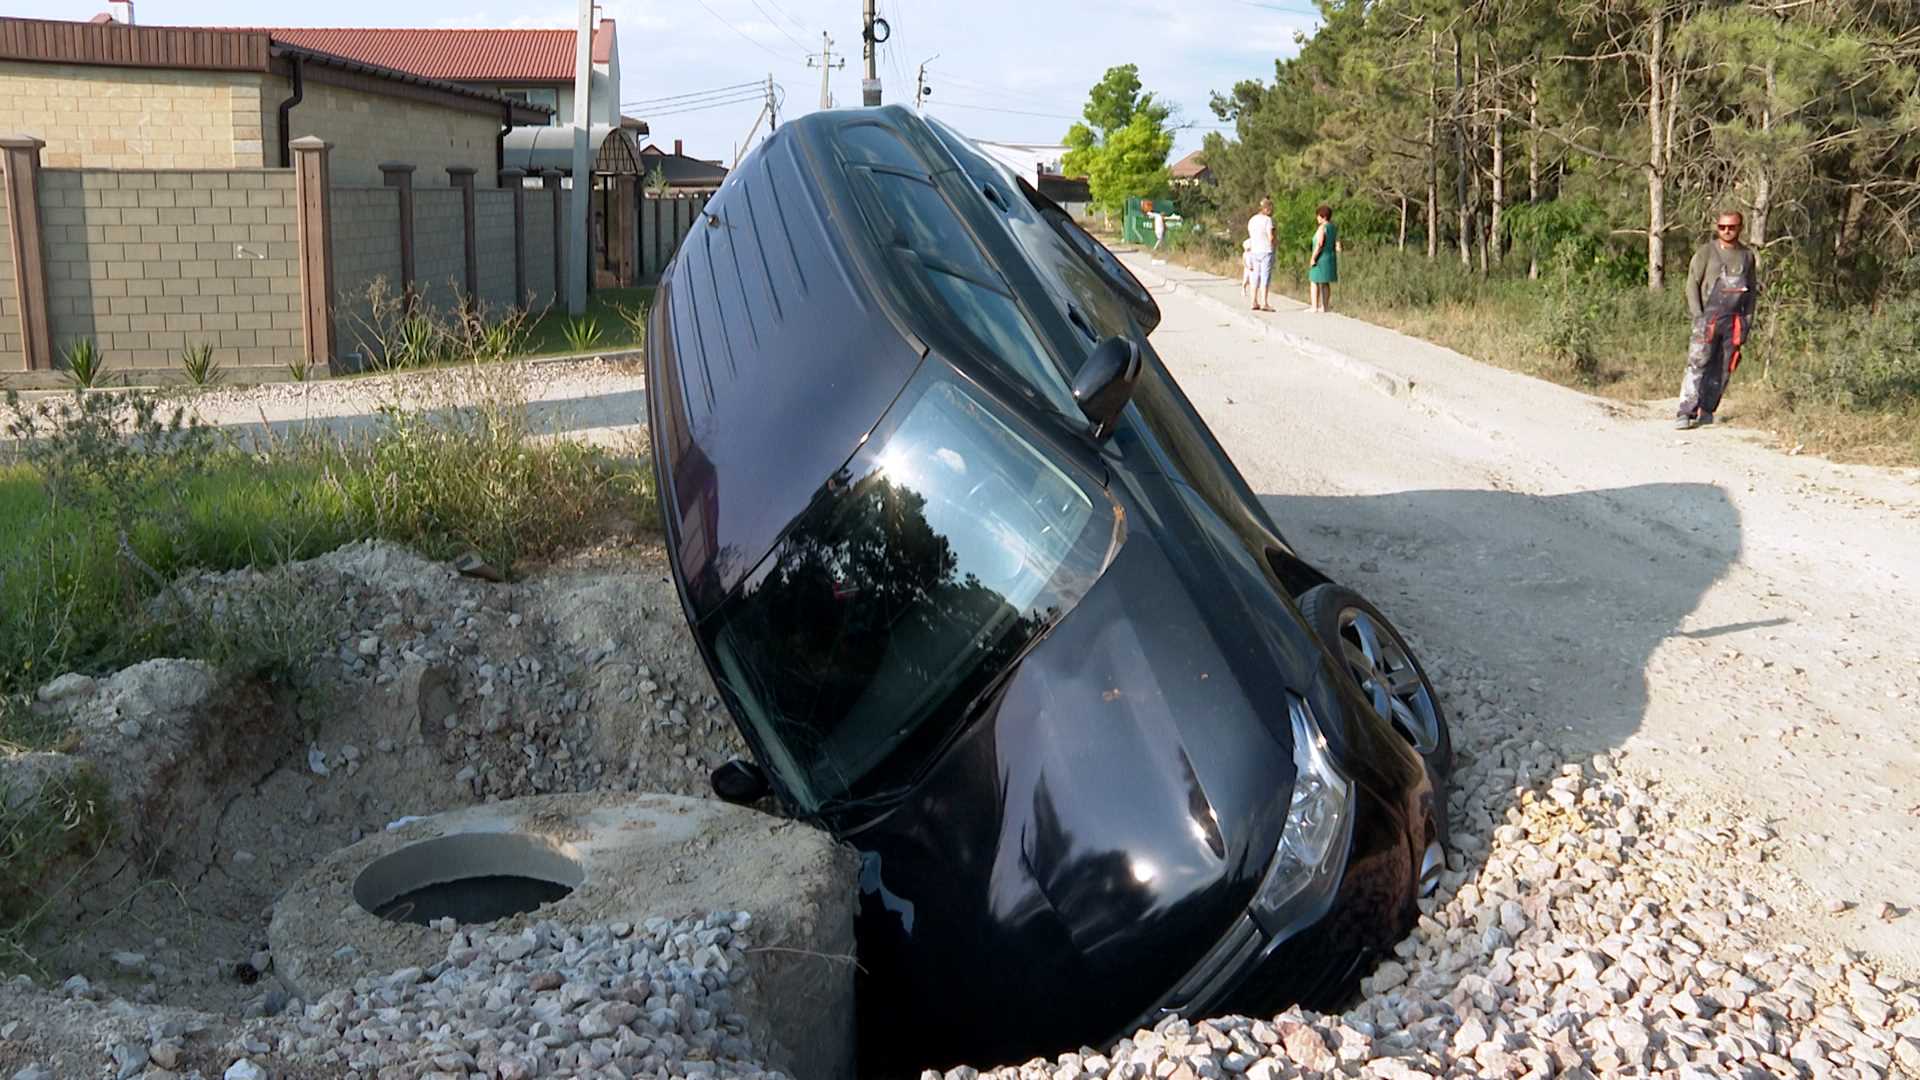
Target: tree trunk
{"x": 1403, "y": 223}
{"x": 1473, "y": 115}
{"x": 1460, "y": 157}
{"x": 1533, "y": 159}
{"x": 1850, "y": 224}
{"x": 1494, "y": 239}
{"x": 1656, "y": 162}
{"x": 1433, "y": 146}
{"x": 1763, "y": 170}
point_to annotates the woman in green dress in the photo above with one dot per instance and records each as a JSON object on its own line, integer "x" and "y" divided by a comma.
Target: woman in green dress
{"x": 1323, "y": 269}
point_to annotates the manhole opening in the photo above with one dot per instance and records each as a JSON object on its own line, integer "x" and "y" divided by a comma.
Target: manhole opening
{"x": 469, "y": 877}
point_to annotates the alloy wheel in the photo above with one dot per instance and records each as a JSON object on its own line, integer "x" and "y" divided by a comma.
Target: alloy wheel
{"x": 1386, "y": 674}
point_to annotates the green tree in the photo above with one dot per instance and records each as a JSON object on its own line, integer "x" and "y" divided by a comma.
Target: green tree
{"x": 1122, "y": 145}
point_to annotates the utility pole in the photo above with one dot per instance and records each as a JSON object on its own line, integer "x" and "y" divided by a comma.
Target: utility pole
{"x": 773, "y": 106}
{"x": 766, "y": 113}
{"x": 920, "y": 87}
{"x": 869, "y": 86}
{"x": 580, "y": 259}
{"x": 826, "y": 65}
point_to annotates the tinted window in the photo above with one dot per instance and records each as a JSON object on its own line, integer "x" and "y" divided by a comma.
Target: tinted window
{"x": 875, "y": 145}
{"x": 965, "y": 295}
{"x": 998, "y": 323}
{"x": 915, "y": 579}
{"x": 915, "y": 216}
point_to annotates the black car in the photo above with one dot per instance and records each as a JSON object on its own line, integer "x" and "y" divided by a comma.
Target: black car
{"x": 990, "y": 604}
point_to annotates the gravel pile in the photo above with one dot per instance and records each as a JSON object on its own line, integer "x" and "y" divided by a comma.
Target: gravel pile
{"x": 618, "y": 1000}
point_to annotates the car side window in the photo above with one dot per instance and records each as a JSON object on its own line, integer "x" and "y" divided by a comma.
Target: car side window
{"x": 999, "y": 325}
{"x": 923, "y": 223}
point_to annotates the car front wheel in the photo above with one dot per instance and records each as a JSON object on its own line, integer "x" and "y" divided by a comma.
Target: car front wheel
{"x": 1384, "y": 667}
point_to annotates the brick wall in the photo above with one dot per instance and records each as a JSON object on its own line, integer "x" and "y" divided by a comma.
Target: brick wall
{"x": 12, "y": 356}
{"x": 366, "y": 247}
{"x": 139, "y": 118}
{"x": 367, "y": 129}
{"x": 540, "y": 248}
{"x": 439, "y": 251}
{"x": 493, "y": 236}
{"x": 145, "y": 263}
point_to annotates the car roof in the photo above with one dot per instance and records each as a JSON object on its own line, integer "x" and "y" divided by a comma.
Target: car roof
{"x": 775, "y": 351}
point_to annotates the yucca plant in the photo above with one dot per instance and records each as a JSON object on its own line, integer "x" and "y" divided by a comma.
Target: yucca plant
{"x": 201, "y": 368}
{"x": 583, "y": 335}
{"x": 84, "y": 364}
{"x": 417, "y": 344}
{"x": 299, "y": 369}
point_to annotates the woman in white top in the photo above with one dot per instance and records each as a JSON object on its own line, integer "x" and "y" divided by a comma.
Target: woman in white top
{"x": 1260, "y": 253}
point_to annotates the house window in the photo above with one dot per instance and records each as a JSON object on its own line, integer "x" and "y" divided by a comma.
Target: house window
{"x": 538, "y": 96}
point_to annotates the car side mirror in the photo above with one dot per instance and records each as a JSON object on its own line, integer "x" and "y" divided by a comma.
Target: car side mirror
{"x": 740, "y": 782}
{"x": 1105, "y": 383}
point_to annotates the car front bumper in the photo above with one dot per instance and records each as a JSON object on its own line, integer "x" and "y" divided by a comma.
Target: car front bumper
{"x": 1316, "y": 962}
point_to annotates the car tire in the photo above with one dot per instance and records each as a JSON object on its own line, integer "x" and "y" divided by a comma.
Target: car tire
{"x": 1338, "y": 615}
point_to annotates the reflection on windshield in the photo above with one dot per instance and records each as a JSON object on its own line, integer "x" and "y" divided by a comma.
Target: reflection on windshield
{"x": 914, "y": 579}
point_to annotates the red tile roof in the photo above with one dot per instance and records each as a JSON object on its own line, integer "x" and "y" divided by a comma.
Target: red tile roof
{"x": 1189, "y": 167}
{"x": 457, "y": 55}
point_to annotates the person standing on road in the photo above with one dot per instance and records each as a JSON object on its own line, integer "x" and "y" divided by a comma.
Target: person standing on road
{"x": 1260, "y": 250}
{"x": 1722, "y": 284}
{"x": 1323, "y": 266}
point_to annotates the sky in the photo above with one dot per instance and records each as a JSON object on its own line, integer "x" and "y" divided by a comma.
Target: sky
{"x": 1000, "y": 70}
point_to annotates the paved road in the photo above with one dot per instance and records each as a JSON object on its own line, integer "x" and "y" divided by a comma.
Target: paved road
{"x": 1745, "y": 623}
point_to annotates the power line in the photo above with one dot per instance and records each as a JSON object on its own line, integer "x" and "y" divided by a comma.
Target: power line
{"x": 997, "y": 109}
{"x": 757, "y": 43}
{"x": 797, "y": 24}
{"x": 695, "y": 93}
{"x": 777, "y": 26}
{"x": 654, "y": 114}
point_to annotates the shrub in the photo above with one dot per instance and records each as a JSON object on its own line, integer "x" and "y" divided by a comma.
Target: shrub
{"x": 201, "y": 368}
{"x": 582, "y": 334}
{"x": 83, "y": 364}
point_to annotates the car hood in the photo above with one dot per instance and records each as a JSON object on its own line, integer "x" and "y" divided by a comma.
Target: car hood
{"x": 1103, "y": 823}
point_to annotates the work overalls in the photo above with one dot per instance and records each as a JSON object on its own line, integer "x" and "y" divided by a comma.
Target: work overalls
{"x": 1714, "y": 351}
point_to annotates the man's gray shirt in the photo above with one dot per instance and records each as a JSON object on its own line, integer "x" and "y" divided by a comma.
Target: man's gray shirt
{"x": 1710, "y": 263}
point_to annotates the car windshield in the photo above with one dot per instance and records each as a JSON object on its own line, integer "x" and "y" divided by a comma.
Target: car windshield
{"x": 918, "y": 575}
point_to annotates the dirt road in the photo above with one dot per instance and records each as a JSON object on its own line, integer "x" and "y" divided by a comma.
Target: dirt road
{"x": 1743, "y": 622}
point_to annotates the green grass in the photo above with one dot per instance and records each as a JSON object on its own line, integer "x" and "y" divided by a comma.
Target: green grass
{"x": 608, "y": 308}
{"x": 441, "y": 481}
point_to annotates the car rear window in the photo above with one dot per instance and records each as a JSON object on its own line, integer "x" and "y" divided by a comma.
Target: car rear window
{"x": 963, "y": 295}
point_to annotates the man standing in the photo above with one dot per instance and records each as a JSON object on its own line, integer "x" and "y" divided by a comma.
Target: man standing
{"x": 1260, "y": 253}
{"x": 1722, "y": 284}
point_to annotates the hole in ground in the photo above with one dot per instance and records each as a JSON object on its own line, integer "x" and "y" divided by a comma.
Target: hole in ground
{"x": 470, "y": 877}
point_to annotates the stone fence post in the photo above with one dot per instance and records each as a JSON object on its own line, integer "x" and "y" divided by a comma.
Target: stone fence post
{"x": 514, "y": 180}
{"x": 399, "y": 176}
{"x": 313, "y": 190}
{"x": 551, "y": 178}
{"x": 20, "y": 158}
{"x": 461, "y": 176}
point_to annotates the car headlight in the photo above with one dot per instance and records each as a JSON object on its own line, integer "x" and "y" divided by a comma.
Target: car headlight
{"x": 1313, "y": 845}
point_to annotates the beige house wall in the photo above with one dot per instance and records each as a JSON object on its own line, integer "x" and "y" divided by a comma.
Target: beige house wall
{"x": 145, "y": 263}
{"x": 367, "y": 129}
{"x": 137, "y": 118}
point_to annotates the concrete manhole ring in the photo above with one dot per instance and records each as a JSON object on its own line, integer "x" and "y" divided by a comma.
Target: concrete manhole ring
{"x": 469, "y": 877}
{"x": 584, "y": 860}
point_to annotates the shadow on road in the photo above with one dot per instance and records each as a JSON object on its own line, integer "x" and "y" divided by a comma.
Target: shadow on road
{"x": 1563, "y": 598}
